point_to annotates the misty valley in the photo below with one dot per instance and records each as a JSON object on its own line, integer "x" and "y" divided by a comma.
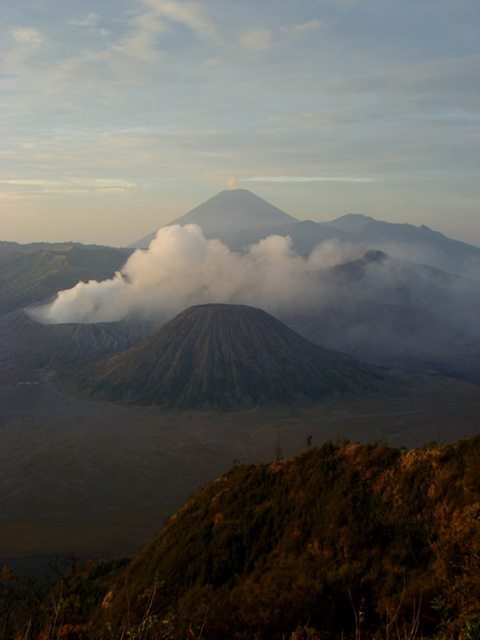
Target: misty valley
{"x": 243, "y": 425}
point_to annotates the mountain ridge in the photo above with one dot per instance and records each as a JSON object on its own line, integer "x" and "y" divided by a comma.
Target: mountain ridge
{"x": 28, "y": 277}
{"x": 239, "y": 219}
{"x": 339, "y": 538}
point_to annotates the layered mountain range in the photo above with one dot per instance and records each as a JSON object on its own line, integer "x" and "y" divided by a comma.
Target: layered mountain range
{"x": 240, "y": 218}
{"x": 369, "y": 304}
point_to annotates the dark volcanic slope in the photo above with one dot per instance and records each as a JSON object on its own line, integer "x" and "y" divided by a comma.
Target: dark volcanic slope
{"x": 224, "y": 356}
{"x": 26, "y": 345}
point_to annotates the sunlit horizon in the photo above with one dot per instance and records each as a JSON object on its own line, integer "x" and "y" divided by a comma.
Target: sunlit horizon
{"x": 119, "y": 118}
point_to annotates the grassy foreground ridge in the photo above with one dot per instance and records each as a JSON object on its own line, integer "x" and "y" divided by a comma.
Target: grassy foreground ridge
{"x": 341, "y": 541}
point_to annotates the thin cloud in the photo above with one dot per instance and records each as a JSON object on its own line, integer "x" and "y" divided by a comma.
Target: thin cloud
{"x": 141, "y": 45}
{"x": 188, "y": 14}
{"x": 257, "y": 40}
{"x": 28, "y": 37}
{"x": 300, "y": 31}
{"x": 90, "y": 20}
{"x": 8, "y": 196}
{"x": 29, "y": 183}
{"x": 74, "y": 185}
{"x": 212, "y": 62}
{"x": 308, "y": 179}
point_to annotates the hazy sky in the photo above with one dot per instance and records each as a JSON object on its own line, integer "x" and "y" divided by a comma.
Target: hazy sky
{"x": 118, "y": 117}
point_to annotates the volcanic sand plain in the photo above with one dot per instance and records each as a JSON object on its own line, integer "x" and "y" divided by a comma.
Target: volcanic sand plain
{"x": 98, "y": 479}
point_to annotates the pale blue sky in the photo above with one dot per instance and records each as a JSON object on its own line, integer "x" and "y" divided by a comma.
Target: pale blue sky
{"x": 119, "y": 116}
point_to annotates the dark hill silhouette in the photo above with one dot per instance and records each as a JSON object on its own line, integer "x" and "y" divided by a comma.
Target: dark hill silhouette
{"x": 225, "y": 357}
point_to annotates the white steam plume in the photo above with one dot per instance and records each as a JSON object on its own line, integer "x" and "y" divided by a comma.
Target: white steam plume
{"x": 181, "y": 268}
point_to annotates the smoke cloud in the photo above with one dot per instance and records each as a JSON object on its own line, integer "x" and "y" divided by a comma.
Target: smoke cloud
{"x": 365, "y": 304}
{"x": 181, "y": 268}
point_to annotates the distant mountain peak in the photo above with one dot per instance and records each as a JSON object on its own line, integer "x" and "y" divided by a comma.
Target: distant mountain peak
{"x": 351, "y": 222}
{"x": 234, "y": 192}
{"x": 358, "y": 223}
{"x": 228, "y": 214}
{"x": 375, "y": 255}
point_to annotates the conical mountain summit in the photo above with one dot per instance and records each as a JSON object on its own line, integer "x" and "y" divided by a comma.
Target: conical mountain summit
{"x": 220, "y": 356}
{"x": 228, "y": 214}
